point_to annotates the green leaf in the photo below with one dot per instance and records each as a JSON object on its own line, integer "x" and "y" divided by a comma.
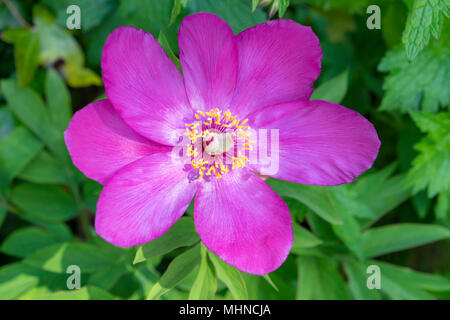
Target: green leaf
{"x": 432, "y": 166}
{"x": 205, "y": 284}
{"x": 316, "y": 198}
{"x": 30, "y": 109}
{"x": 333, "y": 90}
{"x": 44, "y": 169}
{"x": 26, "y": 52}
{"x": 357, "y": 280}
{"x": 58, "y": 100}
{"x": 176, "y": 9}
{"x": 424, "y": 20}
{"x": 16, "y": 151}
{"x": 162, "y": 39}
{"x": 442, "y": 209}
{"x": 421, "y": 84}
{"x": 60, "y": 256}
{"x": 303, "y": 238}
{"x": 181, "y": 234}
{"x": 231, "y": 276}
{"x": 318, "y": 278}
{"x": 381, "y": 192}
{"x": 391, "y": 238}
{"x": 26, "y": 241}
{"x": 420, "y": 280}
{"x": 92, "y": 12}
{"x": 44, "y": 202}
{"x": 177, "y": 270}
{"x": 6, "y": 122}
{"x": 84, "y": 293}
{"x": 283, "y": 5}
{"x": 105, "y": 279}
{"x": 238, "y": 14}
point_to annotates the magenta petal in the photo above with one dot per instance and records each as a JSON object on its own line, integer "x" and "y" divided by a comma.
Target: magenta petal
{"x": 142, "y": 201}
{"x": 100, "y": 143}
{"x": 278, "y": 62}
{"x": 244, "y": 222}
{"x": 208, "y": 56}
{"x": 320, "y": 142}
{"x": 144, "y": 85}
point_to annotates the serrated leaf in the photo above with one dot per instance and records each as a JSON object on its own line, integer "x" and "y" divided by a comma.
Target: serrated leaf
{"x": 424, "y": 20}
{"x": 181, "y": 234}
{"x": 231, "y": 276}
{"x": 431, "y": 168}
{"x": 177, "y": 270}
{"x": 421, "y": 84}
{"x": 391, "y": 238}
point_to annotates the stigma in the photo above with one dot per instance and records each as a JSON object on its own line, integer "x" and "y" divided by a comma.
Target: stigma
{"x": 218, "y": 143}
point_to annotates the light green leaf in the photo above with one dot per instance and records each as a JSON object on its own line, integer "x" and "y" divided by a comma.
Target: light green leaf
{"x": 26, "y": 52}
{"x": 205, "y": 284}
{"x": 316, "y": 198}
{"x": 177, "y": 270}
{"x": 421, "y": 84}
{"x": 357, "y": 280}
{"x": 84, "y": 293}
{"x": 16, "y": 151}
{"x": 425, "y": 19}
{"x": 60, "y": 256}
{"x": 333, "y": 90}
{"x": 303, "y": 238}
{"x": 391, "y": 238}
{"x": 181, "y": 234}
{"x": 26, "y": 241}
{"x": 44, "y": 169}
{"x": 47, "y": 203}
{"x": 231, "y": 276}
{"x": 58, "y": 100}
{"x": 318, "y": 278}
{"x": 431, "y": 168}
{"x": 442, "y": 208}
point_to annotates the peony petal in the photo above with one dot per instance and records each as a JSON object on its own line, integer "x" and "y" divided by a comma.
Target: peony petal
{"x": 142, "y": 201}
{"x": 208, "y": 56}
{"x": 144, "y": 85}
{"x": 100, "y": 143}
{"x": 244, "y": 222}
{"x": 320, "y": 142}
{"x": 278, "y": 62}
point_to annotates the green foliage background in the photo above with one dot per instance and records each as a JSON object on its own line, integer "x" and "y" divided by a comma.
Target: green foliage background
{"x": 396, "y": 216}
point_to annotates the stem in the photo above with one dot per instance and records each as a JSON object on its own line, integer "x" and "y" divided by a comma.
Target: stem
{"x": 16, "y": 14}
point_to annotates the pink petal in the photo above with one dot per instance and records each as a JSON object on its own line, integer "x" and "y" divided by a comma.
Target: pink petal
{"x": 142, "y": 201}
{"x": 320, "y": 142}
{"x": 100, "y": 143}
{"x": 208, "y": 56}
{"x": 244, "y": 222}
{"x": 278, "y": 62}
{"x": 144, "y": 85}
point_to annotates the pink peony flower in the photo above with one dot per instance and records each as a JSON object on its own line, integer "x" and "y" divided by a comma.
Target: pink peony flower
{"x": 261, "y": 78}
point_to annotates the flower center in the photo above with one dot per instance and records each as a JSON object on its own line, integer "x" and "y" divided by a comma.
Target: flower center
{"x": 218, "y": 142}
